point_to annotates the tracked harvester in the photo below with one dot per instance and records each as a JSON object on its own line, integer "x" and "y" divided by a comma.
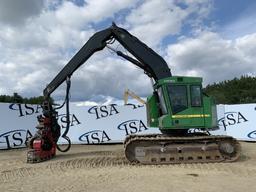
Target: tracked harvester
{"x": 176, "y": 105}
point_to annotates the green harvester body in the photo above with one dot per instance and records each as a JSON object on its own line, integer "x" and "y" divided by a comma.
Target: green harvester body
{"x": 182, "y": 105}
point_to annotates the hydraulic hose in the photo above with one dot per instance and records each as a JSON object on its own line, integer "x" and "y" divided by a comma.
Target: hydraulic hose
{"x": 64, "y": 135}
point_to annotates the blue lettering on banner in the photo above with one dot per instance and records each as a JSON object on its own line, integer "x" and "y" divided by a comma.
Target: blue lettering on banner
{"x": 25, "y": 109}
{"x": 103, "y": 111}
{"x": 132, "y": 126}
{"x": 134, "y": 106}
{"x": 252, "y": 135}
{"x": 94, "y": 137}
{"x": 231, "y": 118}
{"x": 72, "y": 118}
{"x": 15, "y": 138}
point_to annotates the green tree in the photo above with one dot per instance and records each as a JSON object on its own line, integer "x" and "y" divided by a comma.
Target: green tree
{"x": 235, "y": 91}
{"x": 16, "y": 98}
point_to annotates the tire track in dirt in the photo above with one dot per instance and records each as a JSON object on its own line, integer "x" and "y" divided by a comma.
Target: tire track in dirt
{"x": 59, "y": 167}
{"x": 17, "y": 168}
{"x": 94, "y": 159}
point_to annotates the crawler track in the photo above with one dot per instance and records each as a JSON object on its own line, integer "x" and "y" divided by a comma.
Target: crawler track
{"x": 161, "y": 149}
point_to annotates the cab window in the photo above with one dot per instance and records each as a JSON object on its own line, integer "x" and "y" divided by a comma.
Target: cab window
{"x": 161, "y": 99}
{"x": 196, "y": 96}
{"x": 178, "y": 97}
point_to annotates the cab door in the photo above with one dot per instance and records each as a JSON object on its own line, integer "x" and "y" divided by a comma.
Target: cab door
{"x": 186, "y": 105}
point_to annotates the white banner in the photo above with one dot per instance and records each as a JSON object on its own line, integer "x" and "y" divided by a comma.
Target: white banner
{"x": 101, "y": 124}
{"x": 89, "y": 125}
{"x": 17, "y": 123}
{"x": 240, "y": 121}
{"x": 111, "y": 124}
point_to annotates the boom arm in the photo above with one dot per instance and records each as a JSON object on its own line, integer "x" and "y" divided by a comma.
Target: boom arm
{"x": 152, "y": 63}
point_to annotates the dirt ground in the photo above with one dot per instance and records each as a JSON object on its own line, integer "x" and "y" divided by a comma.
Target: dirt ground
{"x": 104, "y": 168}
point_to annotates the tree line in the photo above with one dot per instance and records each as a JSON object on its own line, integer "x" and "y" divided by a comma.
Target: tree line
{"x": 235, "y": 91}
{"x": 16, "y": 98}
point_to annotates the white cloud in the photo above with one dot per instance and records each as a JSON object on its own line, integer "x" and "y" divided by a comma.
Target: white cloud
{"x": 36, "y": 49}
{"x": 104, "y": 74}
{"x": 14, "y": 12}
{"x": 247, "y": 44}
{"x": 107, "y": 100}
{"x": 92, "y": 11}
{"x": 154, "y": 20}
{"x": 212, "y": 57}
{"x": 33, "y": 53}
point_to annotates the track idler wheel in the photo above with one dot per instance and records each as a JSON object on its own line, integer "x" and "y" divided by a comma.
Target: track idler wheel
{"x": 230, "y": 150}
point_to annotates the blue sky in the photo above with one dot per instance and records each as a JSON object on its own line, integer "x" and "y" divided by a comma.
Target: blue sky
{"x": 223, "y": 15}
{"x": 228, "y": 13}
{"x": 215, "y": 40}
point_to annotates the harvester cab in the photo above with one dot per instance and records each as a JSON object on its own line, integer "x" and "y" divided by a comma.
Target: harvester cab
{"x": 179, "y": 103}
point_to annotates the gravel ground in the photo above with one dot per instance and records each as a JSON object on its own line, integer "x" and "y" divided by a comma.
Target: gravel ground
{"x": 104, "y": 168}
